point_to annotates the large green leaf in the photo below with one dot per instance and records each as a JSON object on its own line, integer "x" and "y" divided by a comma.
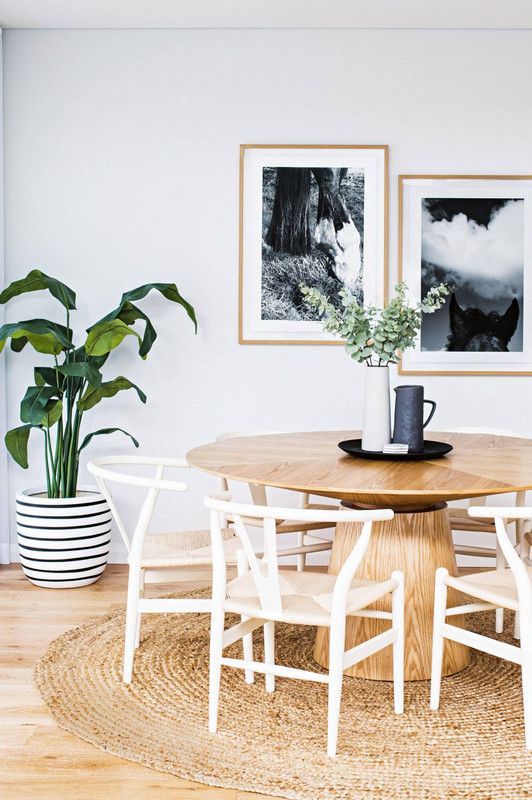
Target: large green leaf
{"x": 34, "y": 402}
{"x": 36, "y": 280}
{"x": 130, "y": 313}
{"x": 43, "y": 335}
{"x": 16, "y": 344}
{"x": 168, "y": 290}
{"x": 43, "y": 375}
{"x": 17, "y": 444}
{"x": 105, "y": 336}
{"x": 81, "y": 355}
{"x": 82, "y": 369}
{"x": 52, "y": 413}
{"x": 94, "y": 394}
{"x": 104, "y": 432}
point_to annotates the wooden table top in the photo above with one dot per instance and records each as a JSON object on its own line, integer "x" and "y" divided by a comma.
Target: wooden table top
{"x": 311, "y": 462}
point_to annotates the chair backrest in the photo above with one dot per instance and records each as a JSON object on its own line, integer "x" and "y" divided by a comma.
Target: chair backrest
{"x": 481, "y": 501}
{"x": 258, "y": 493}
{"x": 266, "y": 572}
{"x": 514, "y": 561}
{"x": 100, "y": 468}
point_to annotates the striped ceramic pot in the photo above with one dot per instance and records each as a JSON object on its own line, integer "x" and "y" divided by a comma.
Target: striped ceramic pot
{"x": 63, "y": 542}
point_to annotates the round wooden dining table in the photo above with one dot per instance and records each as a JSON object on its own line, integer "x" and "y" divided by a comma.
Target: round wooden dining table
{"x": 417, "y": 540}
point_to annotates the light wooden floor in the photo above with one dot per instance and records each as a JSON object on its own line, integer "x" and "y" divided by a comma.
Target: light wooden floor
{"x": 37, "y": 759}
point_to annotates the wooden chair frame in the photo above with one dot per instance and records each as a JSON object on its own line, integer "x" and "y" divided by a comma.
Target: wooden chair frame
{"x": 306, "y": 543}
{"x": 474, "y": 551}
{"x": 137, "y": 604}
{"x": 139, "y": 576}
{"x": 266, "y": 580}
{"x": 443, "y": 629}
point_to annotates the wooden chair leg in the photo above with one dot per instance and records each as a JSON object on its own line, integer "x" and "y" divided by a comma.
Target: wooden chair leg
{"x": 499, "y": 612}
{"x": 139, "y": 614}
{"x": 133, "y": 590}
{"x": 336, "y": 674}
{"x": 398, "y": 622}
{"x": 440, "y": 606}
{"x": 526, "y": 673}
{"x": 301, "y": 557}
{"x": 247, "y": 640}
{"x": 269, "y": 652}
{"x": 215, "y": 667}
{"x": 517, "y": 626}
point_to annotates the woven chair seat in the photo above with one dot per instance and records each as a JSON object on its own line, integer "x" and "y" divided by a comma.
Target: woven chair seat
{"x": 186, "y": 548}
{"x": 460, "y": 520}
{"x": 306, "y": 596}
{"x": 494, "y": 586}
{"x": 285, "y": 526}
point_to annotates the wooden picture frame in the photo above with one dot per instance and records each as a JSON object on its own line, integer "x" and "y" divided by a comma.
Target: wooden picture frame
{"x": 501, "y": 193}
{"x": 257, "y": 165}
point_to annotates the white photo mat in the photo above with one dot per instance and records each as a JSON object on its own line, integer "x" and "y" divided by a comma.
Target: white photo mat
{"x": 412, "y": 190}
{"x": 373, "y": 160}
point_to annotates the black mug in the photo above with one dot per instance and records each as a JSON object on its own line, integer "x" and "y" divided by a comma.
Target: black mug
{"x": 408, "y": 418}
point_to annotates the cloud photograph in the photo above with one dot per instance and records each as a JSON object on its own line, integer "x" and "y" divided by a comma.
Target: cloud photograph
{"x": 476, "y": 246}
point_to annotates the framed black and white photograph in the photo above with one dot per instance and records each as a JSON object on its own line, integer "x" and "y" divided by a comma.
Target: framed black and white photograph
{"x": 473, "y": 233}
{"x": 308, "y": 214}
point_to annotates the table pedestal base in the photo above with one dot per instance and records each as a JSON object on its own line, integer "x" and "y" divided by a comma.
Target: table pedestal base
{"x": 417, "y": 542}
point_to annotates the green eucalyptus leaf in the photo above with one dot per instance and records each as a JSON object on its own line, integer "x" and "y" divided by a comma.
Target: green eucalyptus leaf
{"x": 105, "y": 432}
{"x": 17, "y": 444}
{"x": 94, "y": 394}
{"x": 36, "y": 280}
{"x": 105, "y": 336}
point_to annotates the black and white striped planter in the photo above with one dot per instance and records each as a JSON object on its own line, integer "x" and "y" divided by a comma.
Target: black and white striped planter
{"x": 63, "y": 542}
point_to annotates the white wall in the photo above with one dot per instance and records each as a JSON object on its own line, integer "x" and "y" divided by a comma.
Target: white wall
{"x": 121, "y": 166}
{"x": 4, "y": 489}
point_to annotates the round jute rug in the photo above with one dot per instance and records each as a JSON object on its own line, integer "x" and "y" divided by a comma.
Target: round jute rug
{"x": 472, "y": 749}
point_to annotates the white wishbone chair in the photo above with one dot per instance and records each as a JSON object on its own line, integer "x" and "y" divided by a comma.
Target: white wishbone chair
{"x": 461, "y": 520}
{"x": 157, "y": 558}
{"x": 264, "y": 595}
{"x": 306, "y": 543}
{"x": 502, "y": 588}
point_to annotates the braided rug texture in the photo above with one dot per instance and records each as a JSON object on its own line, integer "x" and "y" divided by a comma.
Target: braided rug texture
{"x": 472, "y": 749}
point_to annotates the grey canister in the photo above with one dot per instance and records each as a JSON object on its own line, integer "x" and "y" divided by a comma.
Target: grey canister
{"x": 408, "y": 417}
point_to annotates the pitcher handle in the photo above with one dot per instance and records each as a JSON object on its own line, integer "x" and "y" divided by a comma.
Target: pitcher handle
{"x": 433, "y": 409}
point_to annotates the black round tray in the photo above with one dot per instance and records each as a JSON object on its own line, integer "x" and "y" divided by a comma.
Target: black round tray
{"x": 353, "y": 447}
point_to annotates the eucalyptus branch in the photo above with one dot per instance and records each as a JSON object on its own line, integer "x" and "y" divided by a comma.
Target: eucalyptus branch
{"x": 375, "y": 336}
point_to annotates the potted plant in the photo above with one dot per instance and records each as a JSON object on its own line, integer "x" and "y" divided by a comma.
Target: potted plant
{"x": 375, "y": 337}
{"x": 64, "y": 529}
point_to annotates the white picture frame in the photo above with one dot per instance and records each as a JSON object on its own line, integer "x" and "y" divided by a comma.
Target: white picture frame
{"x": 426, "y": 242}
{"x": 255, "y": 325}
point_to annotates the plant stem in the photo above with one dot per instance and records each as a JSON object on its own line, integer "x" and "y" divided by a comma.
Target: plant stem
{"x": 58, "y": 465}
{"x": 72, "y": 456}
{"x": 48, "y": 484}
{"x": 49, "y": 462}
{"x": 72, "y": 444}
